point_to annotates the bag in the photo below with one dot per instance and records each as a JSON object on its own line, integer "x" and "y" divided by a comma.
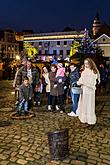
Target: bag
{"x": 76, "y": 90}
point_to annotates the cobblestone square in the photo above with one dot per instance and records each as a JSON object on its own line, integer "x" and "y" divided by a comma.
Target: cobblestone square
{"x": 25, "y": 142}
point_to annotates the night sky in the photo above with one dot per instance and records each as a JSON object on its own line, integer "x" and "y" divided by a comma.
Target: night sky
{"x": 52, "y": 15}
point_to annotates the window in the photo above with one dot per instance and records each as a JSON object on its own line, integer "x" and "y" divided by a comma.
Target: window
{"x": 46, "y": 51}
{"x": 16, "y": 48}
{"x": 67, "y": 52}
{"x": 65, "y": 42}
{"x": 54, "y": 52}
{"x": 40, "y": 43}
{"x": 58, "y": 42}
{"x": 12, "y": 48}
{"x": 61, "y": 52}
{"x": 40, "y": 51}
{"x": 9, "y": 47}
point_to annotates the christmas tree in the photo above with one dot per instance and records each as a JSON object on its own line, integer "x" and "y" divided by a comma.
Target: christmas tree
{"x": 86, "y": 48}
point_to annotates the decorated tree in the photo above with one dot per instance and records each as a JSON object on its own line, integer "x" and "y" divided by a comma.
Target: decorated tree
{"x": 30, "y": 50}
{"x": 74, "y": 48}
{"x": 85, "y": 48}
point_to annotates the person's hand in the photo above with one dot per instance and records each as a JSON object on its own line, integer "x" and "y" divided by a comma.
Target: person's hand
{"x": 17, "y": 87}
{"x": 14, "y": 85}
{"x": 65, "y": 87}
{"x": 55, "y": 85}
{"x": 29, "y": 98}
{"x": 23, "y": 100}
{"x": 60, "y": 80}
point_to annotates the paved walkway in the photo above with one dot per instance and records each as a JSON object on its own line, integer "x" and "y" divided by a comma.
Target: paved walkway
{"x": 25, "y": 142}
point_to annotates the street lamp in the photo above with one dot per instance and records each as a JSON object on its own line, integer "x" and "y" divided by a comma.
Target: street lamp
{"x": 17, "y": 57}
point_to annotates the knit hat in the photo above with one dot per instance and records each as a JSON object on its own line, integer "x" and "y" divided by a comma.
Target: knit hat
{"x": 60, "y": 65}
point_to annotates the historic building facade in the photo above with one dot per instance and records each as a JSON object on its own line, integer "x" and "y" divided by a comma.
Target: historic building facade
{"x": 104, "y": 43}
{"x": 9, "y": 47}
{"x": 56, "y": 43}
{"x": 101, "y": 36}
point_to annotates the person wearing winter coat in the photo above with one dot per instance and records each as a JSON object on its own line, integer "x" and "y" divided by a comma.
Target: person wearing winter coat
{"x": 86, "y": 105}
{"x": 46, "y": 85}
{"x": 31, "y": 72}
{"x": 38, "y": 91}
{"x": 25, "y": 94}
{"x": 60, "y": 81}
{"x": 53, "y": 91}
{"x": 74, "y": 88}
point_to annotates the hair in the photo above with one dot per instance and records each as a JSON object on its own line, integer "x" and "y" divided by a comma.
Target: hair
{"x": 92, "y": 65}
{"x": 53, "y": 65}
{"x": 39, "y": 83}
{"x": 25, "y": 78}
{"x": 46, "y": 68}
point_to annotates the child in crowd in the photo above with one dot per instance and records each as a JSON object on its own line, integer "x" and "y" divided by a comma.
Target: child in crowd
{"x": 60, "y": 73}
{"x": 38, "y": 90}
{"x": 25, "y": 94}
{"x": 59, "y": 85}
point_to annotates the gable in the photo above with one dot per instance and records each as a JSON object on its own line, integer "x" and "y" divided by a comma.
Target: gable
{"x": 103, "y": 39}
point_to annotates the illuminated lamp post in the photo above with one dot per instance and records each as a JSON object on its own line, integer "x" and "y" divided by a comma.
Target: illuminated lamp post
{"x": 17, "y": 57}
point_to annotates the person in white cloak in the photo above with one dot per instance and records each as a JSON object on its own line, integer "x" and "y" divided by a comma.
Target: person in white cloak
{"x": 86, "y": 104}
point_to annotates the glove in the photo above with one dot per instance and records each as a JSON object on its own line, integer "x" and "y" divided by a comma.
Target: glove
{"x": 55, "y": 85}
{"x": 60, "y": 80}
{"x": 65, "y": 87}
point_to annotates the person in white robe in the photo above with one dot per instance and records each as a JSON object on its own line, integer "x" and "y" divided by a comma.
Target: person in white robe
{"x": 86, "y": 105}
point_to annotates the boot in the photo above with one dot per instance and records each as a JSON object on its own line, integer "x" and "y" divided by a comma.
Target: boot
{"x": 49, "y": 107}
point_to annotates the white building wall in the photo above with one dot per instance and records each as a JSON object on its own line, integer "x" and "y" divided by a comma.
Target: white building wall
{"x": 50, "y": 46}
{"x": 49, "y": 41}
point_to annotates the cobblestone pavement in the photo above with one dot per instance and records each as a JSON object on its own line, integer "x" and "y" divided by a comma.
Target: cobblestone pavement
{"x": 26, "y": 141}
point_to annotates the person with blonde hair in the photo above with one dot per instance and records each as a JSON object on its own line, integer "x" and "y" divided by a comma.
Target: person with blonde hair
{"x": 86, "y": 104}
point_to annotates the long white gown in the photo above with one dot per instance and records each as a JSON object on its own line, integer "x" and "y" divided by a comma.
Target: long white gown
{"x": 86, "y": 105}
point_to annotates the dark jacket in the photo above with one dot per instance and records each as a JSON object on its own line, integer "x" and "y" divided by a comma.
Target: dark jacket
{"x": 74, "y": 76}
{"x": 59, "y": 89}
{"x": 23, "y": 72}
{"x": 25, "y": 92}
{"x": 53, "y": 91}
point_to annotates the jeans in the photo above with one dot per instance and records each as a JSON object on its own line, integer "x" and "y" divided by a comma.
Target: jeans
{"x": 54, "y": 102}
{"x": 49, "y": 98}
{"x": 37, "y": 96}
{"x": 75, "y": 98}
{"x": 21, "y": 104}
{"x": 58, "y": 100}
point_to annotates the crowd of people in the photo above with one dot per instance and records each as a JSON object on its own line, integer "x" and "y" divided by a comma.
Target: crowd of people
{"x": 58, "y": 83}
